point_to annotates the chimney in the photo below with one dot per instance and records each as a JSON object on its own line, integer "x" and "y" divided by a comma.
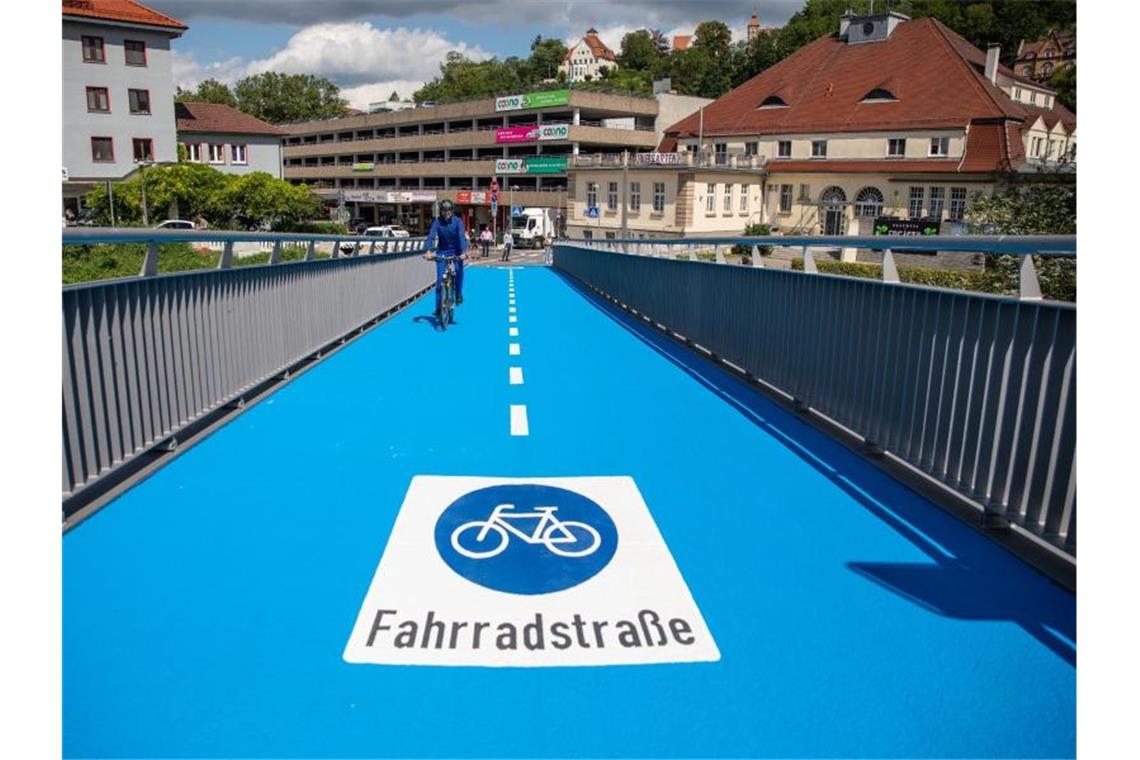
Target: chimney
{"x": 844, "y": 22}
{"x": 992, "y": 54}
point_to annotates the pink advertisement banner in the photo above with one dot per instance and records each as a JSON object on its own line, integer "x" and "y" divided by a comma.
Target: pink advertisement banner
{"x": 517, "y": 134}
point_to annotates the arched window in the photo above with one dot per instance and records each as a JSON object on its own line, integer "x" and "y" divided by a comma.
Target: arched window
{"x": 869, "y": 202}
{"x": 1027, "y": 70}
{"x": 1047, "y": 69}
{"x": 773, "y": 101}
{"x": 834, "y": 196}
{"x": 879, "y": 95}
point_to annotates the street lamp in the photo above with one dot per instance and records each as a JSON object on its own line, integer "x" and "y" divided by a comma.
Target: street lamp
{"x": 142, "y": 180}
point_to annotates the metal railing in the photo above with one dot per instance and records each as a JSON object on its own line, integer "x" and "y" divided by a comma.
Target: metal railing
{"x": 674, "y": 160}
{"x": 151, "y": 359}
{"x": 974, "y": 391}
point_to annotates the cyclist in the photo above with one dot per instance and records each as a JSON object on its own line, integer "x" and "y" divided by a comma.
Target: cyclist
{"x": 446, "y": 238}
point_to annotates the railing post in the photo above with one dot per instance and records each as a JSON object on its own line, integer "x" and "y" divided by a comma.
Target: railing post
{"x": 890, "y": 271}
{"x": 692, "y": 253}
{"x": 719, "y": 253}
{"x": 809, "y": 262}
{"x": 757, "y": 259}
{"x": 311, "y": 251}
{"x": 227, "y": 258}
{"x": 275, "y": 257}
{"x": 336, "y": 249}
{"x": 372, "y": 248}
{"x": 1029, "y": 286}
{"x": 150, "y": 261}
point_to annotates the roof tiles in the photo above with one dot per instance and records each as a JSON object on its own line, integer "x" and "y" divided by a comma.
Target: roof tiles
{"x": 218, "y": 118}
{"x": 120, "y": 10}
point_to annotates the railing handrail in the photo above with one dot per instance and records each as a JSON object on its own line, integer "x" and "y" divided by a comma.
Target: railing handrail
{"x": 1018, "y": 245}
{"x": 94, "y": 235}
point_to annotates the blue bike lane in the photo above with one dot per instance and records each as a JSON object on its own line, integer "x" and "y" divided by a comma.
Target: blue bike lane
{"x": 206, "y": 611}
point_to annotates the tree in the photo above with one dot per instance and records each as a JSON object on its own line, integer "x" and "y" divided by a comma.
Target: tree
{"x": 282, "y": 98}
{"x": 1064, "y": 81}
{"x": 546, "y": 55}
{"x": 1045, "y": 205}
{"x": 661, "y": 41}
{"x": 209, "y": 91}
{"x": 627, "y": 79}
{"x": 714, "y": 37}
{"x": 639, "y": 52}
{"x": 259, "y": 200}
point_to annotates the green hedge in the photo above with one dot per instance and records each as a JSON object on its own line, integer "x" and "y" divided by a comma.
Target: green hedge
{"x": 85, "y": 263}
{"x": 318, "y": 228}
{"x": 1058, "y": 277}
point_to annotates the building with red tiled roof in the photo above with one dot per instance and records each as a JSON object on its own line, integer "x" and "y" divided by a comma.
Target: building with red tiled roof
{"x": 682, "y": 41}
{"x": 118, "y": 91}
{"x": 588, "y": 59}
{"x": 888, "y": 116}
{"x": 1040, "y": 59}
{"x": 228, "y": 139}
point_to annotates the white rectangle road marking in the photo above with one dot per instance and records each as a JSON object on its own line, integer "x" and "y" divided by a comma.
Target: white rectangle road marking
{"x": 516, "y": 376}
{"x": 515, "y": 350}
{"x": 512, "y": 310}
{"x": 512, "y": 318}
{"x": 518, "y": 420}
{"x": 513, "y": 332}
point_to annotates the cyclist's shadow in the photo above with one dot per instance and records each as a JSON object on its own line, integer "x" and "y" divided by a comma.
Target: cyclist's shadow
{"x": 432, "y": 320}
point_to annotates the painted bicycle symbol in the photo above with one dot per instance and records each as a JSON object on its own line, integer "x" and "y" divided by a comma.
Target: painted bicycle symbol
{"x": 488, "y": 538}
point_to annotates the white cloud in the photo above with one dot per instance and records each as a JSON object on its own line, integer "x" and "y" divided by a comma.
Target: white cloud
{"x": 357, "y": 53}
{"x": 361, "y": 95}
{"x": 188, "y": 72}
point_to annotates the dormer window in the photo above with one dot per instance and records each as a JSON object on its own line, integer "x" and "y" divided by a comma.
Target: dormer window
{"x": 879, "y": 95}
{"x": 773, "y": 101}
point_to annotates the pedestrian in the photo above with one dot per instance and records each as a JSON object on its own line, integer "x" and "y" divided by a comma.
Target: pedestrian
{"x": 485, "y": 239}
{"x": 508, "y": 243}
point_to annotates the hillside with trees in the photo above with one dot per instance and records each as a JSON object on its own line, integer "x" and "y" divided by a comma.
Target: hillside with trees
{"x": 714, "y": 63}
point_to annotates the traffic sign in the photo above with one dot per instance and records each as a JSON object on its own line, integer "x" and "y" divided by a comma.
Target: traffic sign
{"x": 516, "y": 210}
{"x": 592, "y": 212}
{"x": 494, "y": 204}
{"x": 494, "y": 186}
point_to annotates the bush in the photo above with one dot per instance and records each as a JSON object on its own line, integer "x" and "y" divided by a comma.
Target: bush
{"x": 754, "y": 230}
{"x": 318, "y": 228}
{"x": 87, "y": 263}
{"x": 982, "y": 282}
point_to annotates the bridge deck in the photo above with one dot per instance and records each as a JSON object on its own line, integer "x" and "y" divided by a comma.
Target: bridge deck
{"x": 207, "y": 610}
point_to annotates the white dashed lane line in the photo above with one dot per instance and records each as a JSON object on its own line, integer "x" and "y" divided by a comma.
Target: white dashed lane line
{"x": 519, "y": 424}
{"x": 513, "y": 332}
{"x": 516, "y": 376}
{"x": 515, "y": 350}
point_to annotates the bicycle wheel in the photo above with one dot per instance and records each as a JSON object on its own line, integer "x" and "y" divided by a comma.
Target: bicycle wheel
{"x": 465, "y": 540}
{"x": 576, "y": 539}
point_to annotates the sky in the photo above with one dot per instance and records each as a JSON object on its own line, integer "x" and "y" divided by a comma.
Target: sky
{"x": 371, "y": 48}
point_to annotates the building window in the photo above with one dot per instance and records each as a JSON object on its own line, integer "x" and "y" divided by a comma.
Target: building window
{"x": 805, "y": 193}
{"x": 216, "y": 153}
{"x": 139, "y": 101}
{"x": 784, "y": 149}
{"x": 743, "y": 197}
{"x": 957, "y": 203}
{"x": 611, "y": 197}
{"x": 914, "y": 205}
{"x": 1017, "y": 93}
{"x": 135, "y": 51}
{"x": 93, "y": 50}
{"x": 710, "y": 197}
{"x": 98, "y": 100}
{"x": 819, "y": 148}
{"x": 143, "y": 149}
{"x": 940, "y": 146}
{"x": 591, "y": 194}
{"x": 896, "y": 146}
{"x": 785, "y": 198}
{"x": 937, "y": 201}
{"x": 727, "y": 207}
{"x": 634, "y": 196}
{"x": 1033, "y": 97}
{"x": 102, "y": 149}
{"x": 611, "y": 236}
{"x": 751, "y": 148}
{"x": 659, "y": 197}
{"x": 1027, "y": 71}
{"x": 869, "y": 202}
{"x": 720, "y": 150}
{"x": 239, "y": 154}
{"x": 588, "y": 234}
{"x": 194, "y": 152}
{"x": 692, "y": 147}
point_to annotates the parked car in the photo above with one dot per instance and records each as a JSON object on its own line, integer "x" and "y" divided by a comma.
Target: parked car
{"x": 174, "y": 224}
{"x": 387, "y": 230}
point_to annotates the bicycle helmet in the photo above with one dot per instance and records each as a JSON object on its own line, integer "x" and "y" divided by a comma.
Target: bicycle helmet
{"x": 446, "y": 205}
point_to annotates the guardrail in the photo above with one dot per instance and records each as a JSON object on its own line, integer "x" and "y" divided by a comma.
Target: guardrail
{"x": 974, "y": 391}
{"x": 151, "y": 360}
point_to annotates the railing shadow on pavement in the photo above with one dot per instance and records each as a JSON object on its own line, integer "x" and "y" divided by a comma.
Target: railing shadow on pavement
{"x": 969, "y": 578}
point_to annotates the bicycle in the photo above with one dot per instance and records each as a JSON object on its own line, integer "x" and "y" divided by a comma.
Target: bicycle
{"x": 550, "y": 531}
{"x": 447, "y": 290}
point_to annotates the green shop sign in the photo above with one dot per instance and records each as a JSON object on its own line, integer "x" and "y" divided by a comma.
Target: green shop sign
{"x": 363, "y": 166}
{"x": 541, "y": 99}
{"x": 543, "y": 165}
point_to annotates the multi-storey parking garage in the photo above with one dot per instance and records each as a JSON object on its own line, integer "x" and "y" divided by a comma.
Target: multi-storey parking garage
{"x": 392, "y": 167}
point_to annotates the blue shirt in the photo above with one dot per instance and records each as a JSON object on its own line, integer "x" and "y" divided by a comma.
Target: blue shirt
{"x": 450, "y": 236}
